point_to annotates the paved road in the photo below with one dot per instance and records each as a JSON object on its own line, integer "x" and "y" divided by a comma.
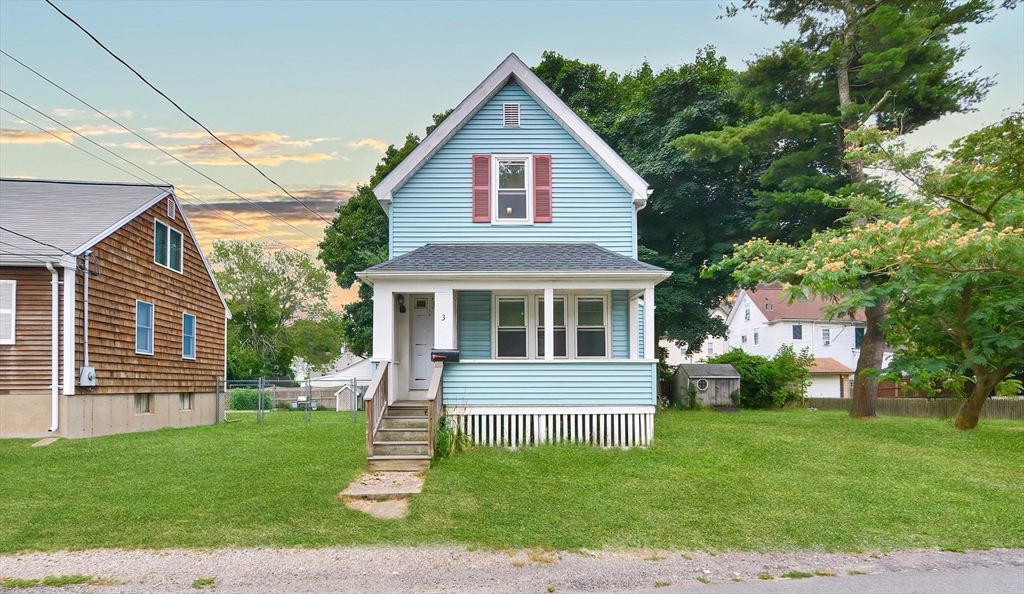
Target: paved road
{"x": 975, "y": 580}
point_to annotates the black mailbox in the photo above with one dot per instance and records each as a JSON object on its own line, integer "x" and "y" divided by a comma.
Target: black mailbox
{"x": 445, "y": 355}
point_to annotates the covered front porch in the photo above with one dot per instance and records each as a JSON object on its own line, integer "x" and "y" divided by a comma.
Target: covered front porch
{"x": 507, "y": 368}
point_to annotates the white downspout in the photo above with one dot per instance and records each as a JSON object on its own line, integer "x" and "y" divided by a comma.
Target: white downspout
{"x": 54, "y": 397}
{"x": 70, "y": 275}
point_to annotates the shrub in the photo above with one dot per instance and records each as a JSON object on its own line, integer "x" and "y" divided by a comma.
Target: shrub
{"x": 769, "y": 383}
{"x": 246, "y": 399}
{"x": 449, "y": 440}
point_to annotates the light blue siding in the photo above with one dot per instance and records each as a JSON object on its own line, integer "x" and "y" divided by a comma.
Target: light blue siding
{"x": 620, "y": 325}
{"x": 514, "y": 383}
{"x": 588, "y": 204}
{"x": 474, "y": 324}
{"x": 640, "y": 328}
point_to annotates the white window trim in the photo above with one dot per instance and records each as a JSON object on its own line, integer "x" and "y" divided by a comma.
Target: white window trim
{"x": 170, "y": 230}
{"x": 792, "y": 331}
{"x": 746, "y": 313}
{"x": 528, "y": 159}
{"x": 13, "y": 311}
{"x": 152, "y": 329}
{"x": 826, "y": 336}
{"x": 182, "y": 398}
{"x": 539, "y": 325}
{"x": 195, "y": 346}
{"x": 526, "y": 324}
{"x": 607, "y": 327}
{"x": 757, "y": 338}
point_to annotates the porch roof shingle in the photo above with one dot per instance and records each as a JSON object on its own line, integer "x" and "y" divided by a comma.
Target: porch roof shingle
{"x": 512, "y": 257}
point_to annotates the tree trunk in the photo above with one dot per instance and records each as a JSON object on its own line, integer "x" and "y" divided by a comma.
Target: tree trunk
{"x": 984, "y": 382}
{"x": 872, "y": 356}
{"x": 855, "y": 166}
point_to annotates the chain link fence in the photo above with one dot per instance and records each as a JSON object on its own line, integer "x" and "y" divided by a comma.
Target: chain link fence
{"x": 287, "y": 399}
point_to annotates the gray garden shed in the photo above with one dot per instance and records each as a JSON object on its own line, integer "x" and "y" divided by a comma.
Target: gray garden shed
{"x": 713, "y": 383}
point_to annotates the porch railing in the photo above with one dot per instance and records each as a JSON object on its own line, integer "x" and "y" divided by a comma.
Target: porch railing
{"x": 376, "y": 401}
{"x": 435, "y": 406}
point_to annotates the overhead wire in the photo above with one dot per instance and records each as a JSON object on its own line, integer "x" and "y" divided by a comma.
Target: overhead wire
{"x": 33, "y": 239}
{"x": 203, "y": 204}
{"x": 100, "y": 146}
{"x": 144, "y": 139}
{"x": 188, "y": 115}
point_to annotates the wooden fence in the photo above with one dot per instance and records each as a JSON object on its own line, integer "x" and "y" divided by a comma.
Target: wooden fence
{"x": 943, "y": 408}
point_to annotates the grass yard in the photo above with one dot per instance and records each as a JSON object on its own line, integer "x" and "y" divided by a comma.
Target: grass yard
{"x": 768, "y": 481}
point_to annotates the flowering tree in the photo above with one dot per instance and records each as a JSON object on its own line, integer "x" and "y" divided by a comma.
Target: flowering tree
{"x": 948, "y": 253}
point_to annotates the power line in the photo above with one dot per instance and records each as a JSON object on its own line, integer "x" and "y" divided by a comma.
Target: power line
{"x": 144, "y": 139}
{"x": 86, "y": 138}
{"x": 189, "y": 116}
{"x": 203, "y": 204}
{"x": 62, "y": 250}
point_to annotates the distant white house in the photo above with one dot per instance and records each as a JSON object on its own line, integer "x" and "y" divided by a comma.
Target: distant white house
{"x": 683, "y": 354}
{"x": 762, "y": 320}
{"x": 361, "y": 370}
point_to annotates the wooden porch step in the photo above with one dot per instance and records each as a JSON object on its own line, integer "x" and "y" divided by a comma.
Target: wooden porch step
{"x": 402, "y": 434}
{"x": 403, "y": 422}
{"x": 401, "y": 409}
{"x": 400, "y": 448}
{"x": 398, "y": 463}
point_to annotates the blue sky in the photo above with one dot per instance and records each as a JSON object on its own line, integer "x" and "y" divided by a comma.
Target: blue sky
{"x": 313, "y": 91}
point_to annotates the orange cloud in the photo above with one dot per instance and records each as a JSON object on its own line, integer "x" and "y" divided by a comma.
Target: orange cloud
{"x": 15, "y": 136}
{"x": 372, "y": 143}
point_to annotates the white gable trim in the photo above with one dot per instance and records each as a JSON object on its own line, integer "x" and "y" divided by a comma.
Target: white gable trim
{"x": 164, "y": 192}
{"x": 514, "y": 68}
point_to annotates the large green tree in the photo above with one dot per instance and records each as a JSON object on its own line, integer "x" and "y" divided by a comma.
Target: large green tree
{"x": 698, "y": 209}
{"x": 950, "y": 256}
{"x": 357, "y": 238}
{"x": 854, "y": 63}
{"x": 267, "y": 291}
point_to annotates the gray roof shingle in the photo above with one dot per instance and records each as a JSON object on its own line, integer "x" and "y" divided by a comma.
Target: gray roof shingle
{"x": 512, "y": 257}
{"x": 65, "y": 215}
{"x": 709, "y": 370}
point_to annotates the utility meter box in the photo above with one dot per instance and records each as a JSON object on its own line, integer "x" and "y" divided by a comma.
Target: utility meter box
{"x": 88, "y": 377}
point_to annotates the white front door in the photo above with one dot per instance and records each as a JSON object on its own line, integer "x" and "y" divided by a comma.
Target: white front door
{"x": 421, "y": 334}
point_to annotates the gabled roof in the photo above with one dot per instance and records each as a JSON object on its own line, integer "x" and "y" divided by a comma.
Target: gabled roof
{"x": 49, "y": 220}
{"x": 514, "y": 70}
{"x": 828, "y": 365}
{"x": 769, "y": 300}
{"x": 520, "y": 258}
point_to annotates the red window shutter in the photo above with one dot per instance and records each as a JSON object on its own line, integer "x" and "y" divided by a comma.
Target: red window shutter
{"x": 542, "y": 188}
{"x": 481, "y": 188}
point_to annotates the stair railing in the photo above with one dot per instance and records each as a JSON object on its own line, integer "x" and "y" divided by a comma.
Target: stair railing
{"x": 376, "y": 401}
{"x": 435, "y": 405}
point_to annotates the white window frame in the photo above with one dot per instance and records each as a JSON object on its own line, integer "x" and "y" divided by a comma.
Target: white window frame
{"x": 539, "y": 325}
{"x": 746, "y": 313}
{"x": 526, "y": 324}
{"x": 743, "y": 339}
{"x": 181, "y": 242}
{"x": 13, "y": 311}
{"x": 607, "y": 326}
{"x": 185, "y": 398}
{"x": 152, "y": 332}
{"x": 526, "y": 158}
{"x": 793, "y": 331}
{"x": 184, "y": 355}
{"x": 757, "y": 338}
{"x": 711, "y": 349}
{"x": 826, "y": 336}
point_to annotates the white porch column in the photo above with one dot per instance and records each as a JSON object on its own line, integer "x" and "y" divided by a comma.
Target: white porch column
{"x": 649, "y": 341}
{"x": 549, "y": 324}
{"x": 70, "y": 272}
{"x": 634, "y": 328}
{"x": 444, "y": 319}
{"x": 383, "y": 323}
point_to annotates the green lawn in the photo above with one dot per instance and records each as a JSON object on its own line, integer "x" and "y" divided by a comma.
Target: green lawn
{"x": 768, "y": 481}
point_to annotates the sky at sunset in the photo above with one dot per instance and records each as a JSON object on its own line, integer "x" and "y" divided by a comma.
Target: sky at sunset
{"x": 314, "y": 92}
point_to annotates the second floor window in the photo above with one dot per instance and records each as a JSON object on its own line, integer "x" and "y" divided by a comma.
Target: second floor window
{"x": 188, "y": 336}
{"x": 756, "y": 337}
{"x": 511, "y": 190}
{"x": 711, "y": 349}
{"x": 798, "y": 332}
{"x": 858, "y": 337}
{"x": 746, "y": 313}
{"x": 826, "y": 335}
{"x": 143, "y": 328}
{"x": 167, "y": 246}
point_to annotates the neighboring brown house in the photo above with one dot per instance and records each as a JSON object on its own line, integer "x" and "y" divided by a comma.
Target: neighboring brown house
{"x": 110, "y": 319}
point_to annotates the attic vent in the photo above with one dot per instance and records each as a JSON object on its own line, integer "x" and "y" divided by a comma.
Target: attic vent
{"x": 510, "y": 115}
{"x": 170, "y": 209}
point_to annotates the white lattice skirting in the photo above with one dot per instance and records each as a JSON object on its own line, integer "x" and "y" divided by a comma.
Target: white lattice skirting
{"x": 605, "y": 426}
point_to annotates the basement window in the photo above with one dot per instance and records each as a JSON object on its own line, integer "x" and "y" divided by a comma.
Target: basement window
{"x": 167, "y": 246}
{"x": 143, "y": 404}
{"x": 185, "y": 401}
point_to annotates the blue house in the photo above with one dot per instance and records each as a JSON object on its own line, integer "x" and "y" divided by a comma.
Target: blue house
{"x": 513, "y": 302}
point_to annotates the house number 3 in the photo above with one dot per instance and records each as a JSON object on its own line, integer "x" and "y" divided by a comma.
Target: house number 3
{"x": 443, "y": 317}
